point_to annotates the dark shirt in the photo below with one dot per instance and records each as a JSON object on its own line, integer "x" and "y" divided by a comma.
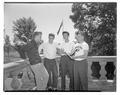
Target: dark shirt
{"x": 32, "y": 52}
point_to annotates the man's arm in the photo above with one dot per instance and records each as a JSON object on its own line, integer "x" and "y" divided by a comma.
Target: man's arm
{"x": 73, "y": 50}
{"x": 22, "y": 50}
{"x": 81, "y": 56}
{"x": 58, "y": 48}
{"x": 61, "y": 51}
{"x": 40, "y": 48}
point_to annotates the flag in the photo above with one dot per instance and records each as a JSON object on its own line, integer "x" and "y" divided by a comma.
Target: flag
{"x": 60, "y": 27}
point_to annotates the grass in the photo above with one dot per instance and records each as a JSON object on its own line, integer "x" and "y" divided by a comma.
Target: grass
{"x": 13, "y": 56}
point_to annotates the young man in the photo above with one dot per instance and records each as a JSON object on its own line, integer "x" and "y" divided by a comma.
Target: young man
{"x": 41, "y": 74}
{"x": 49, "y": 52}
{"x": 80, "y": 52}
{"x": 66, "y": 64}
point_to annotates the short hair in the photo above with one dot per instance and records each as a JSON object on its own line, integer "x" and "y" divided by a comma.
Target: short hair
{"x": 51, "y": 34}
{"x": 36, "y": 33}
{"x": 65, "y": 32}
{"x": 80, "y": 32}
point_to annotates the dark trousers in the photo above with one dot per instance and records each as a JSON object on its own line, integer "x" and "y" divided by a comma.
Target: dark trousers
{"x": 66, "y": 67}
{"x": 81, "y": 75}
{"x": 50, "y": 65}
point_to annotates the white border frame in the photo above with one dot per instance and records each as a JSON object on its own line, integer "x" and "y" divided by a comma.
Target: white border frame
{"x": 59, "y": 93}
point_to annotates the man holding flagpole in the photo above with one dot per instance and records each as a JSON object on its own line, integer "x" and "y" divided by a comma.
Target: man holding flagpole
{"x": 66, "y": 64}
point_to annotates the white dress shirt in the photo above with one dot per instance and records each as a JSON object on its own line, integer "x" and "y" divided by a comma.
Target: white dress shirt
{"x": 66, "y": 46}
{"x": 49, "y": 50}
{"x": 80, "y": 49}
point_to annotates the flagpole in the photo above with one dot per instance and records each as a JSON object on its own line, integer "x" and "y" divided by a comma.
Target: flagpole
{"x": 63, "y": 25}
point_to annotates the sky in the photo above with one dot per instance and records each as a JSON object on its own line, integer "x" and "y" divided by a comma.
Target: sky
{"x": 47, "y": 17}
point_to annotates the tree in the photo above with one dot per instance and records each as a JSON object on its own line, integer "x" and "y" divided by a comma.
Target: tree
{"x": 7, "y": 44}
{"x": 23, "y": 29}
{"x": 98, "y": 21}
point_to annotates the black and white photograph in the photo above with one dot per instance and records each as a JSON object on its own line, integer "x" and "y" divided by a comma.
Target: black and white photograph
{"x": 60, "y": 47}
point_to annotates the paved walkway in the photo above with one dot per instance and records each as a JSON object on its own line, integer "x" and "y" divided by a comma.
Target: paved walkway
{"x": 96, "y": 86}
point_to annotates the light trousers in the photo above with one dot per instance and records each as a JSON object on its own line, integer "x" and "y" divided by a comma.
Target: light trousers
{"x": 41, "y": 76}
{"x": 81, "y": 75}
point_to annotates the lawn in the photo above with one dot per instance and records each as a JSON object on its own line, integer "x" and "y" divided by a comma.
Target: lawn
{"x": 13, "y": 56}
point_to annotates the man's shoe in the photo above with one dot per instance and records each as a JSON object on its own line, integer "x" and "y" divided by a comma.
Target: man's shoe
{"x": 34, "y": 88}
{"x": 49, "y": 88}
{"x": 55, "y": 89}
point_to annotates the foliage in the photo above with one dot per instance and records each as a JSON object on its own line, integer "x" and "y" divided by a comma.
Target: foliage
{"x": 98, "y": 21}
{"x": 24, "y": 28}
{"x": 7, "y": 44}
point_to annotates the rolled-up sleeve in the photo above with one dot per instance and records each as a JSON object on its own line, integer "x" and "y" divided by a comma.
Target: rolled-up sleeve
{"x": 40, "y": 47}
